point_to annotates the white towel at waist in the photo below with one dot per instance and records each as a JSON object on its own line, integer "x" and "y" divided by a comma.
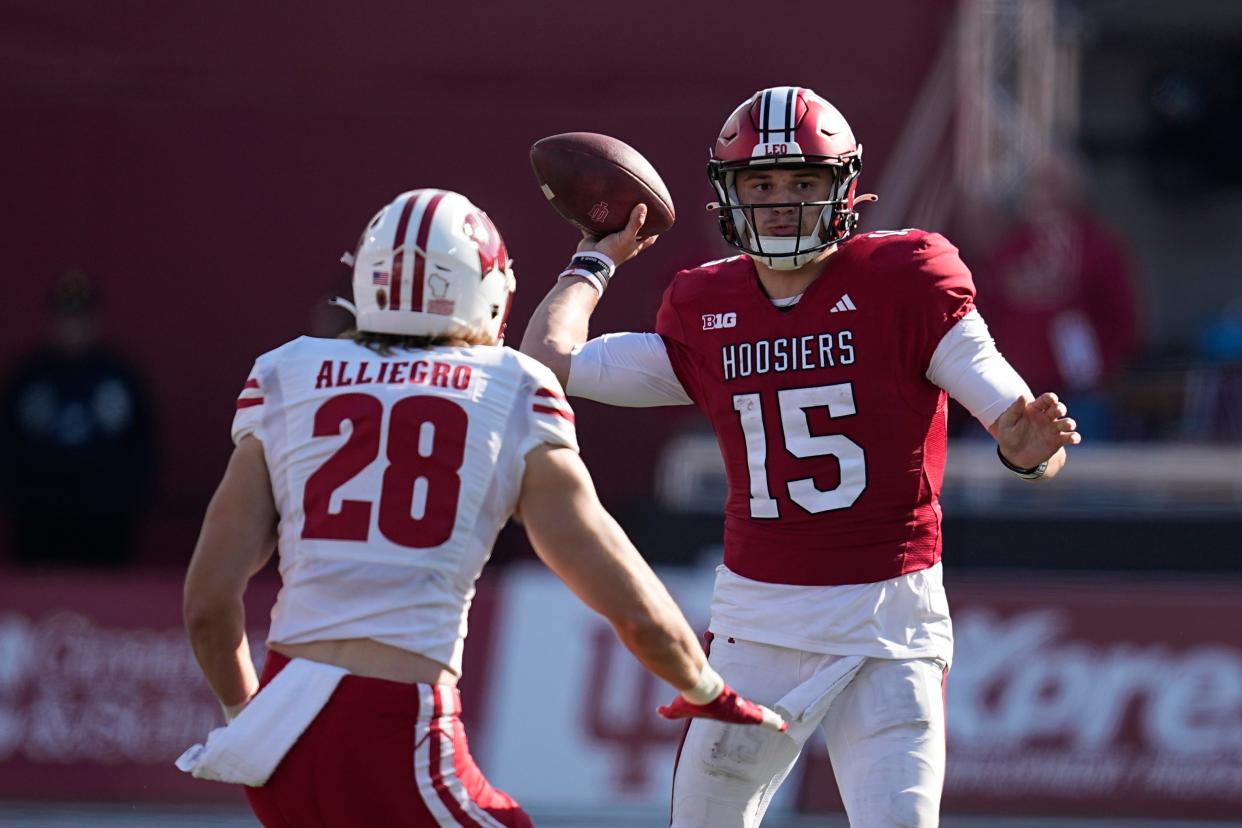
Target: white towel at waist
{"x": 807, "y": 703}
{"x": 248, "y": 749}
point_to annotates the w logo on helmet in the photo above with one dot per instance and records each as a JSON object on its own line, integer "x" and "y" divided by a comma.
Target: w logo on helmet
{"x": 492, "y": 253}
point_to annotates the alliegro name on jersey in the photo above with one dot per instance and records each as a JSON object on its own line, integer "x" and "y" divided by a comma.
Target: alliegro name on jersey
{"x": 333, "y": 373}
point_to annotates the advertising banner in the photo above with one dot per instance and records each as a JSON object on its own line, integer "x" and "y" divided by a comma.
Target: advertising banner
{"x": 1074, "y": 696}
{"x": 1080, "y": 695}
{"x": 99, "y": 691}
{"x": 571, "y": 715}
{"x": 1088, "y": 696}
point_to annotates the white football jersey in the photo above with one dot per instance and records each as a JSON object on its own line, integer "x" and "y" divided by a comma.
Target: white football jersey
{"x": 393, "y": 475}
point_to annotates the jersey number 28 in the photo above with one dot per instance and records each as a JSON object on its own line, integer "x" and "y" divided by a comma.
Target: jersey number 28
{"x": 426, "y": 447}
{"x": 801, "y": 443}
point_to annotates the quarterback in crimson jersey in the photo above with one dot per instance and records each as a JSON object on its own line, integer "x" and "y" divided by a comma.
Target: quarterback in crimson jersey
{"x": 382, "y": 465}
{"x": 823, "y": 360}
{"x": 793, "y": 395}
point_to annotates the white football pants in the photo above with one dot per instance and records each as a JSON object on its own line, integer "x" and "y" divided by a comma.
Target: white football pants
{"x": 883, "y": 720}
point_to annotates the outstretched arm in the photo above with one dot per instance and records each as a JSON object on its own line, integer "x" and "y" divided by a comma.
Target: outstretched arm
{"x": 561, "y": 321}
{"x": 1027, "y": 432}
{"x": 581, "y": 543}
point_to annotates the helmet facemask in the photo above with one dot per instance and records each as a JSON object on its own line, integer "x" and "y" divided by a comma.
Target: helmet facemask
{"x": 837, "y": 217}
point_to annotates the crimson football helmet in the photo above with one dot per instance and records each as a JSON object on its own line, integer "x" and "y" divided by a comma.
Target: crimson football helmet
{"x": 431, "y": 264}
{"x": 777, "y": 127}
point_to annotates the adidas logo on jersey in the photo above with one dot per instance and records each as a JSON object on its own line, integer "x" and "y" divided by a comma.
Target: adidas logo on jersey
{"x": 843, "y": 304}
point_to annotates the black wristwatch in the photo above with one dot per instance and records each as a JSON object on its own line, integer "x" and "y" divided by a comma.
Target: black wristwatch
{"x": 1033, "y": 473}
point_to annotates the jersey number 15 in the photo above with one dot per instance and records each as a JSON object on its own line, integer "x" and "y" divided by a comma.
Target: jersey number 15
{"x": 801, "y": 443}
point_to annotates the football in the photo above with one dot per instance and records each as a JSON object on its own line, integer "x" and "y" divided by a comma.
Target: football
{"x": 594, "y": 181}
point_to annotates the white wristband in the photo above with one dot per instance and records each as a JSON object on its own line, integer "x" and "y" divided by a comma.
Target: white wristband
{"x": 597, "y": 268}
{"x": 708, "y": 687}
{"x": 591, "y": 278}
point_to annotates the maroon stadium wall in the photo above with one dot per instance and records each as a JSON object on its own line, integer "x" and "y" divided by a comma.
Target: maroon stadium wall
{"x": 210, "y": 167}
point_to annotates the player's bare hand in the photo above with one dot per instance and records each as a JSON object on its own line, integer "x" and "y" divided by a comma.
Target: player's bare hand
{"x": 1029, "y": 433}
{"x": 624, "y": 244}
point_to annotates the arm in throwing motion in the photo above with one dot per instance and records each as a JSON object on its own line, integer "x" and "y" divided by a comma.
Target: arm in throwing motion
{"x": 561, "y": 321}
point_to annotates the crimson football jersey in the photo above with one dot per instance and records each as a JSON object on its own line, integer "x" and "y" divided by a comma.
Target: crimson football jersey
{"x": 833, "y": 438}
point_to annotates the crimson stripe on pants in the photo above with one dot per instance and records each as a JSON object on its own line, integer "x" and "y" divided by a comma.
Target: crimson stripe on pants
{"x": 437, "y": 762}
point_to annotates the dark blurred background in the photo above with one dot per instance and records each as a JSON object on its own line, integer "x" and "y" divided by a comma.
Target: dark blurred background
{"x": 205, "y": 171}
{"x": 180, "y": 183}
{"x": 208, "y": 171}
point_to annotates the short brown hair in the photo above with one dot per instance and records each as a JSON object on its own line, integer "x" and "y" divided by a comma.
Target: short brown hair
{"x": 385, "y": 343}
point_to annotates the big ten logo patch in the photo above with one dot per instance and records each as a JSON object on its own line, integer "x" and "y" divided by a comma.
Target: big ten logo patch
{"x": 618, "y": 712}
{"x": 712, "y": 321}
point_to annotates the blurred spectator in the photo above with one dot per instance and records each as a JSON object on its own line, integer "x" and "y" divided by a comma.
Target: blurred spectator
{"x": 77, "y": 440}
{"x": 1058, "y": 295}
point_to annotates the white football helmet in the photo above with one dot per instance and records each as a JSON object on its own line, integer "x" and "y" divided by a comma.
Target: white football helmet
{"x": 432, "y": 264}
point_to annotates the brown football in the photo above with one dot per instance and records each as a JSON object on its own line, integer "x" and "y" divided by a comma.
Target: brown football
{"x": 594, "y": 181}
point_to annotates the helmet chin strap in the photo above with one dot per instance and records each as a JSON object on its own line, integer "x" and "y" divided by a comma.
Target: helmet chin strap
{"x": 339, "y": 302}
{"x": 785, "y": 252}
{"x": 782, "y": 262}
{"x": 787, "y": 262}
